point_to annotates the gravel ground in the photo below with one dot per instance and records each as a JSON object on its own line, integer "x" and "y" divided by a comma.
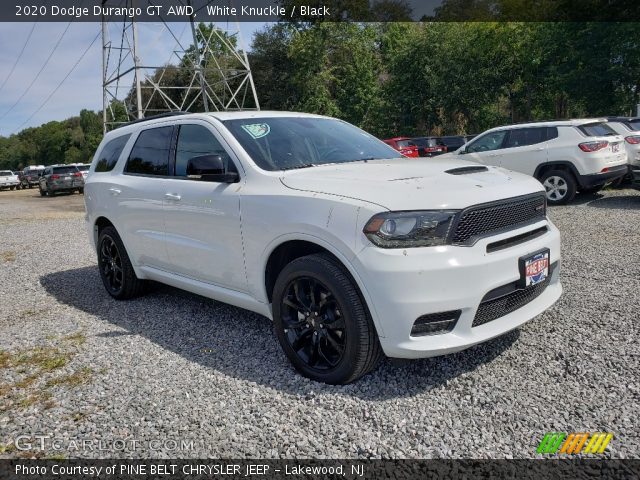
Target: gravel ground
{"x": 177, "y": 375}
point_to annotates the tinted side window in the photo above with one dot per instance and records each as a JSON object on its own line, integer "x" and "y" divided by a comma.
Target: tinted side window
{"x": 552, "y": 132}
{"x": 110, "y": 154}
{"x": 521, "y": 137}
{"x": 150, "y": 154}
{"x": 194, "y": 141}
{"x": 491, "y": 141}
{"x": 597, "y": 130}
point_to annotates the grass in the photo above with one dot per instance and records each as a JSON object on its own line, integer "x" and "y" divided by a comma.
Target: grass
{"x": 8, "y": 256}
{"x": 80, "y": 377}
{"x": 36, "y": 370}
{"x": 77, "y": 338}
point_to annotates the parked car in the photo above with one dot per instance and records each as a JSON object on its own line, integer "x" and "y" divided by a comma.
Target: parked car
{"x": 318, "y": 225}
{"x": 8, "y": 180}
{"x": 31, "y": 176}
{"x": 18, "y": 174}
{"x": 404, "y": 145}
{"x": 429, "y": 146}
{"x": 629, "y": 128}
{"x": 454, "y": 142}
{"x": 566, "y": 156}
{"x": 84, "y": 169}
{"x": 61, "y": 178}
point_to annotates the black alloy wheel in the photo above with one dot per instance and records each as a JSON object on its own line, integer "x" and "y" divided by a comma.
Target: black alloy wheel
{"x": 322, "y": 322}
{"x": 313, "y": 323}
{"x": 110, "y": 263}
{"x": 116, "y": 271}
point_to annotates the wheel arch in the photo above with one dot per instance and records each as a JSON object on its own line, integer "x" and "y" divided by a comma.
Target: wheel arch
{"x": 288, "y": 249}
{"x": 557, "y": 165}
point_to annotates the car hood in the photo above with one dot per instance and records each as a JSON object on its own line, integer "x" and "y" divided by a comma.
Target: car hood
{"x": 411, "y": 184}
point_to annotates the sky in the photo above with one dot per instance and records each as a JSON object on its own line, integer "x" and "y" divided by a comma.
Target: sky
{"x": 83, "y": 88}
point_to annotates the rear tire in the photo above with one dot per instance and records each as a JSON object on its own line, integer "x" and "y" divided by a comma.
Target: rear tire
{"x": 81, "y": 191}
{"x": 322, "y": 323}
{"x": 560, "y": 186}
{"x": 116, "y": 271}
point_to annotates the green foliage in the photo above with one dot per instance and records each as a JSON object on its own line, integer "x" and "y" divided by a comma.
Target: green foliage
{"x": 71, "y": 141}
{"x": 399, "y": 78}
{"x": 449, "y": 78}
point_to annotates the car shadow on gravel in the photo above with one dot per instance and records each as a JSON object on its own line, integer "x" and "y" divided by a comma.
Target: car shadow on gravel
{"x": 619, "y": 202}
{"x": 241, "y": 344}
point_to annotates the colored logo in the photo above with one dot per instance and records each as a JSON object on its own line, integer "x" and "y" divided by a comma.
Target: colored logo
{"x": 574, "y": 443}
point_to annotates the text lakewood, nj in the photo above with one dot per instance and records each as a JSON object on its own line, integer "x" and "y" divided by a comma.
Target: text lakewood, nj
{"x": 183, "y": 11}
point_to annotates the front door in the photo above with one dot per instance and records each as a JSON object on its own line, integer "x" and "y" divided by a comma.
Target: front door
{"x": 202, "y": 218}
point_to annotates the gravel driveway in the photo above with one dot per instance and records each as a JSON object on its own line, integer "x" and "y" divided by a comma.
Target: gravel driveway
{"x": 177, "y": 375}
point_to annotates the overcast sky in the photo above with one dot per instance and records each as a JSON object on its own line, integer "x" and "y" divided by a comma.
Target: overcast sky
{"x": 83, "y": 89}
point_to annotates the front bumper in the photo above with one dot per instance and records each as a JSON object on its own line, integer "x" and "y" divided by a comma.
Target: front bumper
{"x": 403, "y": 285}
{"x": 597, "y": 179}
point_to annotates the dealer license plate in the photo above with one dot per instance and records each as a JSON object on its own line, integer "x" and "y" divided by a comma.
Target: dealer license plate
{"x": 535, "y": 268}
{"x": 615, "y": 147}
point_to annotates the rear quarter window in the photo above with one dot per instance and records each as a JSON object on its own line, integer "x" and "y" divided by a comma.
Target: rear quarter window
{"x": 598, "y": 129}
{"x": 110, "y": 153}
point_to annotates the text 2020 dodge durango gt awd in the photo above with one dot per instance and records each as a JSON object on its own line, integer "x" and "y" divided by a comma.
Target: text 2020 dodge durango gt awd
{"x": 319, "y": 226}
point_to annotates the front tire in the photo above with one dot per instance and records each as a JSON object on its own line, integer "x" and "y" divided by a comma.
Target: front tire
{"x": 42, "y": 192}
{"x": 116, "y": 271}
{"x": 321, "y": 322}
{"x": 560, "y": 186}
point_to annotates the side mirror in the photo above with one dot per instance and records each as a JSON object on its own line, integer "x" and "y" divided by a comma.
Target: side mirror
{"x": 210, "y": 168}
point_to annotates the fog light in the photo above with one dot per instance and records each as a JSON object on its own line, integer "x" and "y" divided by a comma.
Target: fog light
{"x": 435, "y": 323}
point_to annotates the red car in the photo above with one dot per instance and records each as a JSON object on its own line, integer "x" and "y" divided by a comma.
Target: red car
{"x": 404, "y": 145}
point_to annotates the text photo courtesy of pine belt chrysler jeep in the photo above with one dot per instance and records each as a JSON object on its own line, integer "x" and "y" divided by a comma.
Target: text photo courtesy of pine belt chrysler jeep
{"x": 351, "y": 251}
{"x": 566, "y": 156}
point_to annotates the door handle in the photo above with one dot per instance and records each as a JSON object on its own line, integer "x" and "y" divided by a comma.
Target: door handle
{"x": 493, "y": 154}
{"x": 172, "y": 196}
{"x": 115, "y": 191}
{"x": 539, "y": 149}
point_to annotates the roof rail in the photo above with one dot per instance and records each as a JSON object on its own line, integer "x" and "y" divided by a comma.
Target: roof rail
{"x": 153, "y": 117}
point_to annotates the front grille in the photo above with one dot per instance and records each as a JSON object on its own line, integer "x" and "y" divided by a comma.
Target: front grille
{"x": 491, "y": 218}
{"x": 492, "y": 308}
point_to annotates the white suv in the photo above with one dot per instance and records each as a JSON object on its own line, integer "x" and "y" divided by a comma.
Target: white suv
{"x": 629, "y": 128}
{"x": 566, "y": 156}
{"x": 319, "y": 226}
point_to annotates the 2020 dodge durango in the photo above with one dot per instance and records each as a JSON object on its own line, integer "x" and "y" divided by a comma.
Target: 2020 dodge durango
{"x": 352, "y": 251}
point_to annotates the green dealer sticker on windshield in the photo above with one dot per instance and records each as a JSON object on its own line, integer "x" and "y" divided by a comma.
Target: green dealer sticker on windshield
{"x": 257, "y": 130}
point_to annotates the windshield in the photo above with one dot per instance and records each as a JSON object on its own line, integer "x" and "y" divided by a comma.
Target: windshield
{"x": 283, "y": 143}
{"x": 5, "y": 173}
{"x": 64, "y": 170}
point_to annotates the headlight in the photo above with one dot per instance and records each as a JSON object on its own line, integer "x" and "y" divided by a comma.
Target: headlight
{"x": 410, "y": 229}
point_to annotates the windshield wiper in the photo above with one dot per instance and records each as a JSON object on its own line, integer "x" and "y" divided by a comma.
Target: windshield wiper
{"x": 304, "y": 165}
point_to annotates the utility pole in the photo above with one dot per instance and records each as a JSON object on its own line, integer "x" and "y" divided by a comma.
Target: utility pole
{"x": 218, "y": 75}
{"x": 136, "y": 63}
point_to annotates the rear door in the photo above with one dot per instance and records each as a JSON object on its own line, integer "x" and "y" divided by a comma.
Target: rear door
{"x": 202, "y": 218}
{"x": 525, "y": 149}
{"x": 139, "y": 195}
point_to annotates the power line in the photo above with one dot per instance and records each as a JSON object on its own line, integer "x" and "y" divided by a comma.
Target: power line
{"x": 60, "y": 84}
{"x": 55, "y": 47}
{"x": 19, "y": 57}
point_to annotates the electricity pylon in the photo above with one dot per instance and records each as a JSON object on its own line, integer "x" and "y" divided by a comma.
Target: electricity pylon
{"x": 206, "y": 70}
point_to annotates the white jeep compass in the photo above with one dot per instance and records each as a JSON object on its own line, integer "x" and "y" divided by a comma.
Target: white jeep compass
{"x": 567, "y": 156}
{"x": 319, "y": 226}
